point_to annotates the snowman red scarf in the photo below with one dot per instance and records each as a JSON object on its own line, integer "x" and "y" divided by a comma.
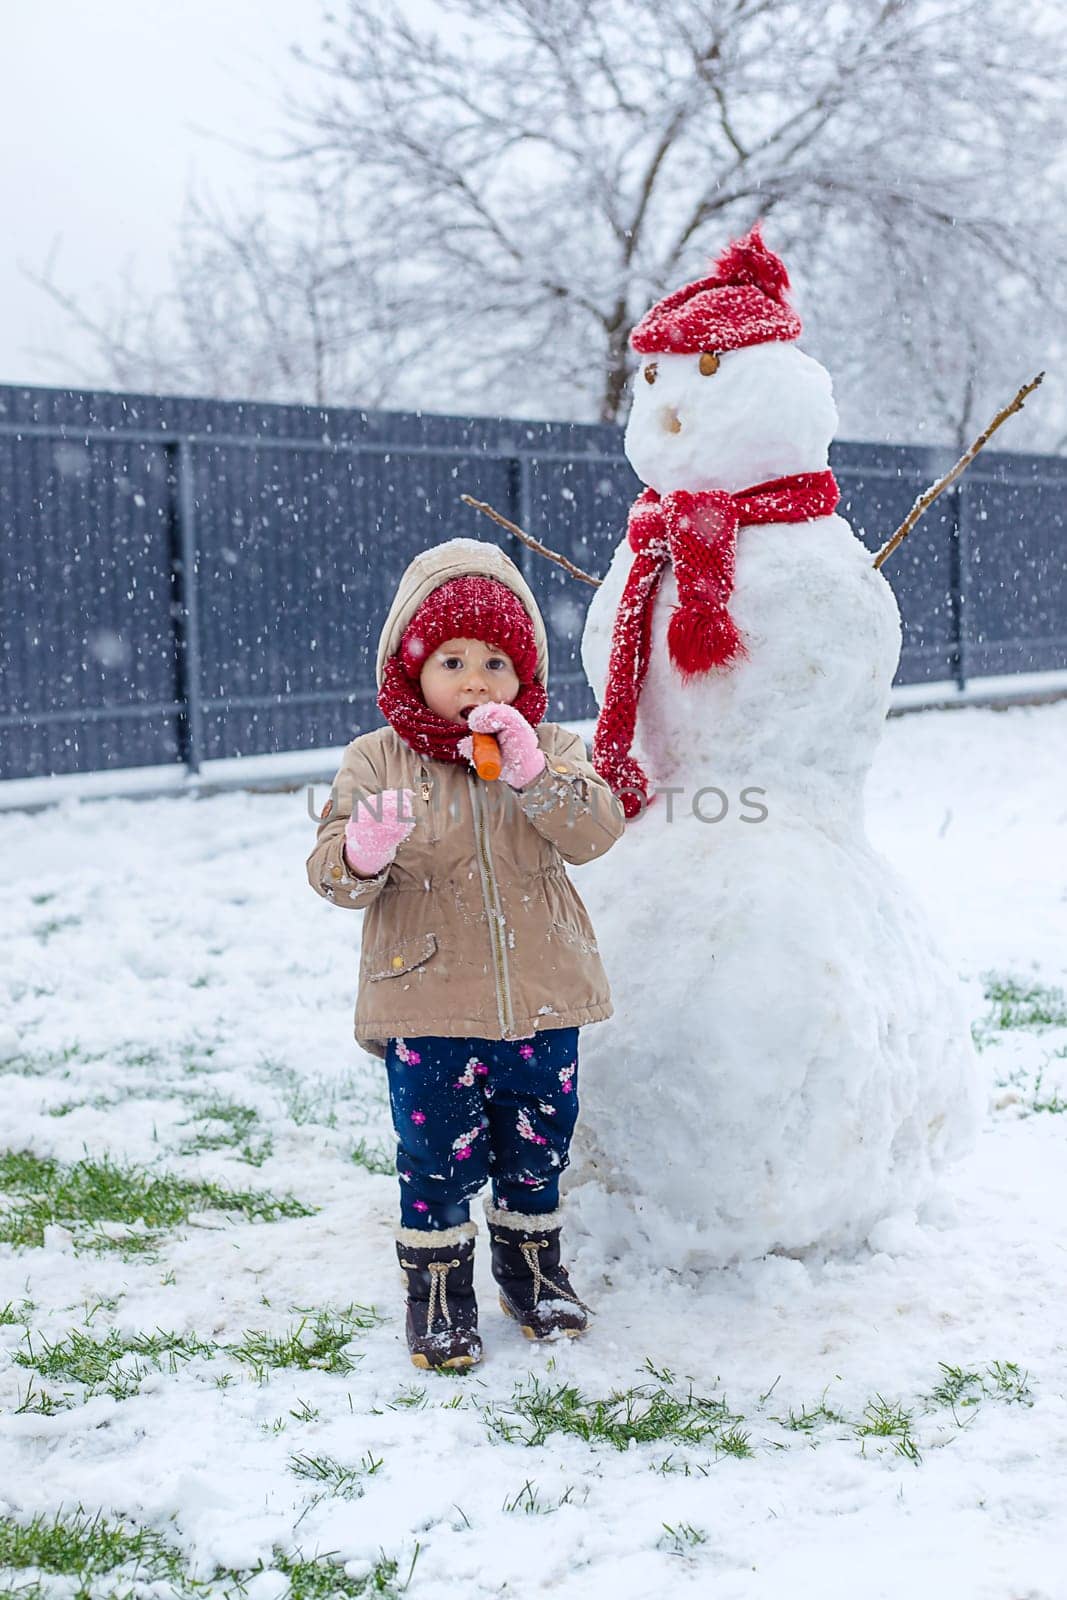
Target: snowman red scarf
{"x": 697, "y": 533}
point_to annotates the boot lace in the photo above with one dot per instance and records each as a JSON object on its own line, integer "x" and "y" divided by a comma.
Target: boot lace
{"x": 438, "y": 1301}
{"x": 531, "y": 1249}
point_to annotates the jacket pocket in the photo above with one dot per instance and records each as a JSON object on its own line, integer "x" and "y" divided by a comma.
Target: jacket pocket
{"x": 575, "y": 937}
{"x": 396, "y": 959}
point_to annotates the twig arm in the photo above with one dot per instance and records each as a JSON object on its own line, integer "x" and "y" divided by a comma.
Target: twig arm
{"x": 535, "y": 544}
{"x": 928, "y": 496}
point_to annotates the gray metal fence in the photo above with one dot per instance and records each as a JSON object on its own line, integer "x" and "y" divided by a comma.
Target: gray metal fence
{"x": 182, "y": 580}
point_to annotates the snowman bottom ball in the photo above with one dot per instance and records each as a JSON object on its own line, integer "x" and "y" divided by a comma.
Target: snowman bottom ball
{"x": 789, "y": 1060}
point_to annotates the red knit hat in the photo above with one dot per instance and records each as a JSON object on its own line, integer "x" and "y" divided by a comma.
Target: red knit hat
{"x": 742, "y": 303}
{"x": 471, "y": 607}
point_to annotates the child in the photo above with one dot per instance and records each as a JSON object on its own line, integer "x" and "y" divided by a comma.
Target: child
{"x": 479, "y": 962}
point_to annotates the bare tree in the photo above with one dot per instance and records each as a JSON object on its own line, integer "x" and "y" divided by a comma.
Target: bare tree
{"x": 489, "y": 200}
{"x": 263, "y": 306}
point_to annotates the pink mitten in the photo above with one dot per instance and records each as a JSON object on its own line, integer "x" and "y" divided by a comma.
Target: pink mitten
{"x": 521, "y": 757}
{"x": 370, "y": 843}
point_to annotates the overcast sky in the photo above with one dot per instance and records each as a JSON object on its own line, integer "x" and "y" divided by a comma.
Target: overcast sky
{"x": 109, "y": 109}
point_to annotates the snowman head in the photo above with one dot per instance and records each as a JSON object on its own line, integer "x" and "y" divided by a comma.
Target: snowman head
{"x": 756, "y": 414}
{"x": 723, "y": 399}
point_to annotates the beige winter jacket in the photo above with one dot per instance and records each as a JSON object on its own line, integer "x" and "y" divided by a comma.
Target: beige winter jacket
{"x": 474, "y": 929}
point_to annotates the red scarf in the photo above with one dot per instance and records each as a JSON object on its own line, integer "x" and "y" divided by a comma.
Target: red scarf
{"x": 428, "y": 734}
{"x": 697, "y": 534}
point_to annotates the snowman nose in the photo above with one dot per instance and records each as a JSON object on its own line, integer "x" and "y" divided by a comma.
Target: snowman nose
{"x": 669, "y": 420}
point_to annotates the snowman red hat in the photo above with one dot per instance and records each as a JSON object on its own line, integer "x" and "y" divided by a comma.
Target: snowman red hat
{"x": 742, "y": 303}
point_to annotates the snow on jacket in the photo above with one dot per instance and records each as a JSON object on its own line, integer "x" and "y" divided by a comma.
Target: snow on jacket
{"x": 474, "y": 928}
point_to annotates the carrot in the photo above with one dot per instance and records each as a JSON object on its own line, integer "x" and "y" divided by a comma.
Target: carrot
{"x": 486, "y": 755}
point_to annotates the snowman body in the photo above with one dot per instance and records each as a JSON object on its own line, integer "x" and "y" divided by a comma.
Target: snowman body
{"x": 789, "y": 1060}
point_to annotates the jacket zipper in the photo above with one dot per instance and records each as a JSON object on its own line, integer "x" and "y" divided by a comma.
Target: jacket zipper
{"x": 425, "y": 786}
{"x": 493, "y": 912}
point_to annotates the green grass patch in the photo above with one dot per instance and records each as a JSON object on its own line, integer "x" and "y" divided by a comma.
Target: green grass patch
{"x": 1017, "y": 1003}
{"x": 114, "y": 1364}
{"x": 10, "y": 1318}
{"x": 87, "y": 1548}
{"x": 667, "y": 1412}
{"x": 374, "y": 1159}
{"x": 327, "y": 1580}
{"x": 645, "y": 1414}
{"x": 90, "y": 1197}
{"x": 681, "y": 1540}
{"x": 306, "y": 1412}
{"x": 1046, "y": 1100}
{"x": 46, "y": 1063}
{"x": 529, "y": 1502}
{"x": 92, "y": 1550}
{"x": 807, "y": 1420}
{"x": 1009, "y": 1384}
{"x": 1027, "y": 1094}
{"x": 960, "y": 1388}
{"x": 411, "y": 1398}
{"x": 97, "y": 1102}
{"x": 338, "y": 1479}
{"x": 192, "y": 1057}
{"x": 885, "y": 1419}
{"x": 227, "y": 1125}
{"x": 317, "y": 1101}
{"x": 319, "y": 1345}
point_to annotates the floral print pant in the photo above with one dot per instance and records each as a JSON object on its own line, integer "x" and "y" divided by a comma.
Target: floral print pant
{"x": 467, "y": 1110}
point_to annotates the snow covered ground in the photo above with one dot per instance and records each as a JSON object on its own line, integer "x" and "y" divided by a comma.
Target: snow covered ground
{"x": 196, "y": 1214}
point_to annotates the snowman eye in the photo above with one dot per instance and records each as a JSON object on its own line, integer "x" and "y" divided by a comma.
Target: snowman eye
{"x": 650, "y": 372}
{"x": 709, "y": 363}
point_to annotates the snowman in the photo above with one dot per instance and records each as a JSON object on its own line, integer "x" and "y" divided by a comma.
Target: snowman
{"x": 789, "y": 1062}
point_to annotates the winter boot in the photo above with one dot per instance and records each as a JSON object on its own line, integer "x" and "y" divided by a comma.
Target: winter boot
{"x": 442, "y": 1313}
{"x": 534, "y": 1288}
